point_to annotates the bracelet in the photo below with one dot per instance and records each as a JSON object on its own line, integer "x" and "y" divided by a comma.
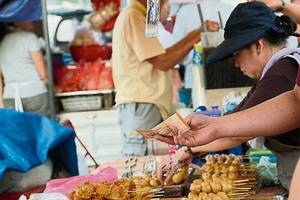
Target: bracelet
{"x": 189, "y": 150}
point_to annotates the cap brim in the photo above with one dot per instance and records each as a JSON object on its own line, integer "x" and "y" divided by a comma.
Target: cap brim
{"x": 229, "y": 46}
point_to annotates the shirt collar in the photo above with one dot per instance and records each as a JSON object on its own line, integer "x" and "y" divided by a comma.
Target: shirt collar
{"x": 139, "y": 6}
{"x": 285, "y": 52}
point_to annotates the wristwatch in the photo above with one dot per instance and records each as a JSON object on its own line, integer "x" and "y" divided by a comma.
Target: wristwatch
{"x": 189, "y": 151}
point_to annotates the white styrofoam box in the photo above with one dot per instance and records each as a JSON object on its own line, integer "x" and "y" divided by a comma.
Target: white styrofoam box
{"x": 112, "y": 139}
{"x": 107, "y": 136}
{"x": 86, "y": 136}
{"x": 105, "y": 150}
{"x": 79, "y": 118}
{"x": 90, "y": 147}
{"x": 105, "y": 159}
{"x": 100, "y": 133}
{"x": 107, "y": 117}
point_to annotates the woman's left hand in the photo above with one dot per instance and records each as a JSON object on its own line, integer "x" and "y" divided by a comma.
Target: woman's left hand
{"x": 203, "y": 130}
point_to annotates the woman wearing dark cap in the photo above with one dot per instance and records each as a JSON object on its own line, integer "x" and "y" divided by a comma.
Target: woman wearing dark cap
{"x": 256, "y": 38}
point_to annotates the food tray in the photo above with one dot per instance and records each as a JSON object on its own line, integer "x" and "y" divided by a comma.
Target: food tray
{"x": 267, "y": 197}
{"x": 173, "y": 191}
{"x": 81, "y": 102}
{"x": 182, "y": 190}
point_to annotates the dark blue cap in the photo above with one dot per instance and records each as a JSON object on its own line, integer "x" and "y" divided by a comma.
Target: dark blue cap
{"x": 247, "y": 23}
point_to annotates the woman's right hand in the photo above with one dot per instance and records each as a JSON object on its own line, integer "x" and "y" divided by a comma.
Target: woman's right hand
{"x": 170, "y": 165}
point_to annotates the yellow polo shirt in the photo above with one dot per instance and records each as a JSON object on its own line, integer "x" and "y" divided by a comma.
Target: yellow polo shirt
{"x": 136, "y": 80}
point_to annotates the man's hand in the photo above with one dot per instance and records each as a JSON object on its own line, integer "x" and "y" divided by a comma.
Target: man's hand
{"x": 203, "y": 131}
{"x": 212, "y": 25}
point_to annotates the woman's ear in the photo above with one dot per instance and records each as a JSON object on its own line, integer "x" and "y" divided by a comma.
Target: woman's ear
{"x": 259, "y": 44}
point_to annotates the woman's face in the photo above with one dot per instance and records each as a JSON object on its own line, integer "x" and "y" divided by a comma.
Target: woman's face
{"x": 26, "y": 25}
{"x": 250, "y": 60}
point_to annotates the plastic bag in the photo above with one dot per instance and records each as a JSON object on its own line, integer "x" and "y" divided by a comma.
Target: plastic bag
{"x": 267, "y": 171}
{"x": 27, "y": 139}
{"x": 67, "y": 185}
{"x": 232, "y": 100}
{"x": 68, "y": 78}
{"x": 92, "y": 73}
{"x": 105, "y": 81}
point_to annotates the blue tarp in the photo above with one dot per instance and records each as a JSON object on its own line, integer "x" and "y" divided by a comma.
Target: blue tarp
{"x": 26, "y": 140}
{"x": 20, "y": 10}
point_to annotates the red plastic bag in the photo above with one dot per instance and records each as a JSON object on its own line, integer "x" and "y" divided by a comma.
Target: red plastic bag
{"x": 67, "y": 79}
{"x": 105, "y": 81}
{"x": 67, "y": 185}
{"x": 92, "y": 73}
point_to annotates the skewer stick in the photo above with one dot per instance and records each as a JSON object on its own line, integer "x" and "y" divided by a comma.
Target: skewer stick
{"x": 241, "y": 181}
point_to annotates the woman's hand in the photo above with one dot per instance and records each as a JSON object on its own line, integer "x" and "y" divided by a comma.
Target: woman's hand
{"x": 203, "y": 130}
{"x": 170, "y": 165}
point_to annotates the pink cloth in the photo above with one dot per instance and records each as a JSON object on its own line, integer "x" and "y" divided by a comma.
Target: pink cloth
{"x": 67, "y": 185}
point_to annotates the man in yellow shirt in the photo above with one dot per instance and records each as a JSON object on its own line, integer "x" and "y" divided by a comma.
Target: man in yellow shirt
{"x": 141, "y": 75}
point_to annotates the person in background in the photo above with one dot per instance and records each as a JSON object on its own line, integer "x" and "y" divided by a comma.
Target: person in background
{"x": 188, "y": 18}
{"x": 259, "y": 52}
{"x": 23, "y": 72}
{"x": 141, "y": 75}
{"x": 287, "y": 7}
{"x": 167, "y": 40}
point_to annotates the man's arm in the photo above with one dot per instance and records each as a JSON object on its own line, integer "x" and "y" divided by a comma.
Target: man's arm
{"x": 275, "y": 116}
{"x": 272, "y": 117}
{"x": 176, "y": 53}
{"x": 292, "y": 10}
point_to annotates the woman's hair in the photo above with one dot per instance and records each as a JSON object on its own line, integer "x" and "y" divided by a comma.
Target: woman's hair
{"x": 279, "y": 39}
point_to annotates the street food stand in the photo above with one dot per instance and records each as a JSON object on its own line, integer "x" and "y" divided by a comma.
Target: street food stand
{"x": 91, "y": 123}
